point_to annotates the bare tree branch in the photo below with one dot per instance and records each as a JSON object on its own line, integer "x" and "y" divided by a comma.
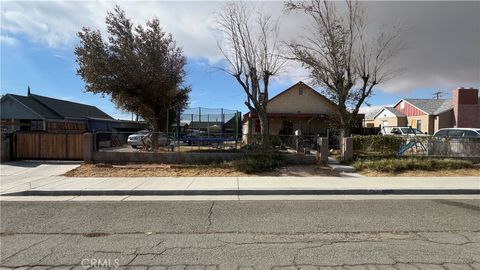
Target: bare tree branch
{"x": 339, "y": 56}
{"x": 250, "y": 45}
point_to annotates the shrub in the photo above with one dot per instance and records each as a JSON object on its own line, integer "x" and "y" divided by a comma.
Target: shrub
{"x": 398, "y": 165}
{"x": 253, "y": 163}
{"x": 383, "y": 145}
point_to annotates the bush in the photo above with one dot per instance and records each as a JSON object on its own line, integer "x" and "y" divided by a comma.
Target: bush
{"x": 383, "y": 145}
{"x": 254, "y": 163}
{"x": 398, "y": 165}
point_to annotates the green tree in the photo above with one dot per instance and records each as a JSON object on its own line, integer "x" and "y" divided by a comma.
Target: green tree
{"x": 140, "y": 67}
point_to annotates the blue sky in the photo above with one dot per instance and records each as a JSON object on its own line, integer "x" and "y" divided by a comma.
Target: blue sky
{"x": 37, "y": 51}
{"x": 52, "y": 72}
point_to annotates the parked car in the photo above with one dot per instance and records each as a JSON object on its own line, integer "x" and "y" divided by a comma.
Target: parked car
{"x": 144, "y": 137}
{"x": 403, "y": 131}
{"x": 458, "y": 133}
{"x": 135, "y": 140}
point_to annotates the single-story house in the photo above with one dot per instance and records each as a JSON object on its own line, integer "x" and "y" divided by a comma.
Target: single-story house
{"x": 40, "y": 113}
{"x": 299, "y": 107}
{"x": 430, "y": 115}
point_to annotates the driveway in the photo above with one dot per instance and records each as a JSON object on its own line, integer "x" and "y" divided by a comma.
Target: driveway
{"x": 18, "y": 174}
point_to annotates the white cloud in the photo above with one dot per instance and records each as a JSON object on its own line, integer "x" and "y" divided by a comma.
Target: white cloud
{"x": 55, "y": 23}
{"x": 8, "y": 40}
{"x": 121, "y": 116}
{"x": 444, "y": 46}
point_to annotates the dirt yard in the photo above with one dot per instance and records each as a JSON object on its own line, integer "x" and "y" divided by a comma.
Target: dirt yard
{"x": 171, "y": 170}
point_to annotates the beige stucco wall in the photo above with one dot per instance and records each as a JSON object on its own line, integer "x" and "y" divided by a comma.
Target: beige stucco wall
{"x": 292, "y": 102}
{"x": 369, "y": 123}
{"x": 443, "y": 120}
{"x": 392, "y": 121}
{"x": 428, "y": 124}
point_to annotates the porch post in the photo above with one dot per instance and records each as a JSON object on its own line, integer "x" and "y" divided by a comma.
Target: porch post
{"x": 322, "y": 151}
{"x": 347, "y": 148}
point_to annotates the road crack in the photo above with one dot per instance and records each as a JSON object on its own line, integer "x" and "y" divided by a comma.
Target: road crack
{"x": 210, "y": 212}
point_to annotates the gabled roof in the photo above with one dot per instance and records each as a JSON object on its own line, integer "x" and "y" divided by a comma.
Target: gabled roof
{"x": 447, "y": 105}
{"x": 68, "y": 109}
{"x": 430, "y": 106}
{"x": 372, "y": 115}
{"x": 394, "y": 111}
{"x": 35, "y": 106}
{"x": 51, "y": 108}
{"x": 303, "y": 84}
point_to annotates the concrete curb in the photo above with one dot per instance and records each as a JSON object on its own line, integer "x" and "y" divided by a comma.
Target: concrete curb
{"x": 245, "y": 192}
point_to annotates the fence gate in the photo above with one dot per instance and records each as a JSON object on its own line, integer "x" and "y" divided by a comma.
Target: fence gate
{"x": 37, "y": 145}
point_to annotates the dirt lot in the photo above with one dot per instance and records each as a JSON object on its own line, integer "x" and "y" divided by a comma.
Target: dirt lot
{"x": 170, "y": 170}
{"x": 459, "y": 172}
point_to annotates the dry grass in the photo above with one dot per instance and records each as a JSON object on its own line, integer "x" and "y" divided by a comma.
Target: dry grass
{"x": 150, "y": 170}
{"x": 420, "y": 173}
{"x": 171, "y": 170}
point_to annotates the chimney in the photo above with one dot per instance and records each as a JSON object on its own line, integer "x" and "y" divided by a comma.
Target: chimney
{"x": 465, "y": 108}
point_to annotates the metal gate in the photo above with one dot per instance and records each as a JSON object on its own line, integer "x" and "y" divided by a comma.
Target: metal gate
{"x": 40, "y": 145}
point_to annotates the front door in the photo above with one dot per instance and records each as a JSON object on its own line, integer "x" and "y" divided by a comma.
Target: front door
{"x": 287, "y": 127}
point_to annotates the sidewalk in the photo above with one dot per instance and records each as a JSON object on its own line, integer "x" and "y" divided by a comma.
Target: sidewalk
{"x": 46, "y": 182}
{"x": 64, "y": 186}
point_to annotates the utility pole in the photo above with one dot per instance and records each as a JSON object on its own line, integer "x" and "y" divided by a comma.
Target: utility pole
{"x": 437, "y": 95}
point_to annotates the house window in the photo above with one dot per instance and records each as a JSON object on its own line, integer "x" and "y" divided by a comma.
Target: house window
{"x": 419, "y": 125}
{"x": 300, "y": 91}
{"x": 402, "y": 105}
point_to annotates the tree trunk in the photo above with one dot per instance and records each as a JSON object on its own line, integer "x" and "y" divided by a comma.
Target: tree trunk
{"x": 250, "y": 130}
{"x": 262, "y": 116}
{"x": 345, "y": 128}
{"x": 155, "y": 134}
{"x": 347, "y": 124}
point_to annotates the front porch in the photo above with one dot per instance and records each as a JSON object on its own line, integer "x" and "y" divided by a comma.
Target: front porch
{"x": 287, "y": 124}
{"x": 308, "y": 124}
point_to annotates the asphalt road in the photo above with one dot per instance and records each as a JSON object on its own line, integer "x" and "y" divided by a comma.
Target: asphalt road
{"x": 381, "y": 234}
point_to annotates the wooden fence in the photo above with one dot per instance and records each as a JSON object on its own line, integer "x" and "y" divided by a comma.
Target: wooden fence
{"x": 38, "y": 145}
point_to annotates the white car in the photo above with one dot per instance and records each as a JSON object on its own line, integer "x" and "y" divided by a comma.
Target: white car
{"x": 143, "y": 138}
{"x": 458, "y": 133}
{"x": 135, "y": 140}
{"x": 402, "y": 131}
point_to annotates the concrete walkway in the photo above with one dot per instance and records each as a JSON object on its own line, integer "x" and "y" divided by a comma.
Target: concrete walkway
{"x": 59, "y": 185}
{"x": 24, "y": 175}
{"x": 43, "y": 180}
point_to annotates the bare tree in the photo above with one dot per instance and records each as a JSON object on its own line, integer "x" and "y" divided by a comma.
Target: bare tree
{"x": 250, "y": 47}
{"x": 340, "y": 57}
